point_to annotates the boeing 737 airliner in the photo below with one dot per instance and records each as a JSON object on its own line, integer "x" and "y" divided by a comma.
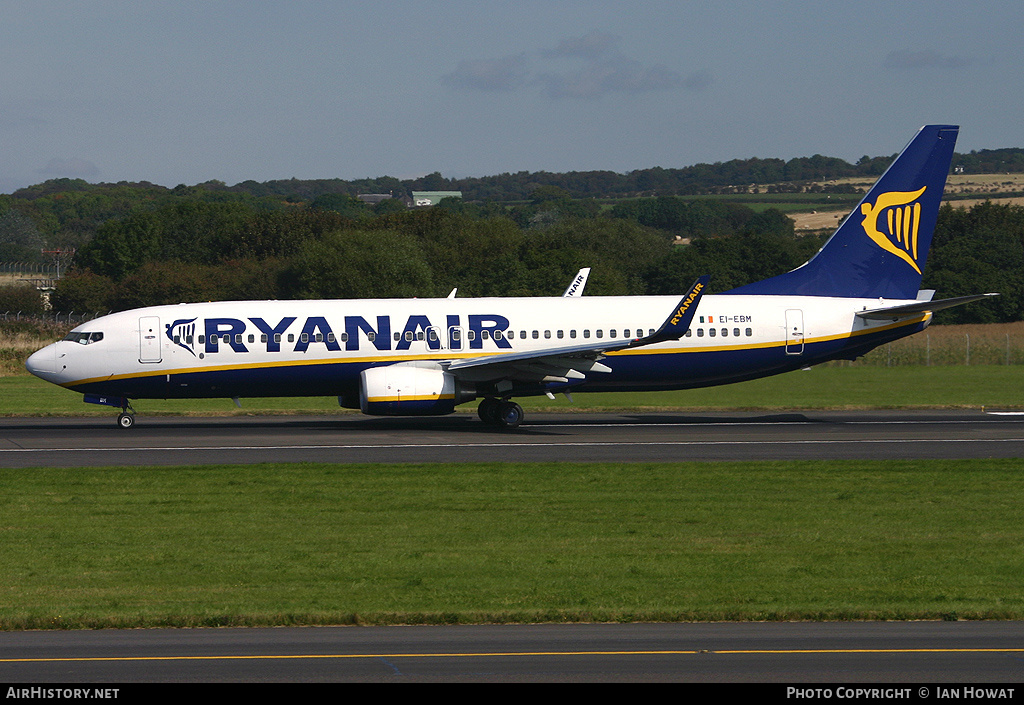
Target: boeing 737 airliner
{"x": 426, "y": 356}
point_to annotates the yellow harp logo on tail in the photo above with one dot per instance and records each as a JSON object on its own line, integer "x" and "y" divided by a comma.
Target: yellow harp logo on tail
{"x": 902, "y": 213}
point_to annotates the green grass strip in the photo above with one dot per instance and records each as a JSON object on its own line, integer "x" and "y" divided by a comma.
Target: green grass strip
{"x": 817, "y": 388}
{"x": 470, "y": 543}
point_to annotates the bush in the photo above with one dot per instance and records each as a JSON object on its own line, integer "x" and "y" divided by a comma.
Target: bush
{"x": 24, "y": 298}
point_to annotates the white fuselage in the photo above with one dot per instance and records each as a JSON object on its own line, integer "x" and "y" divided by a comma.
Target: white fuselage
{"x": 306, "y": 348}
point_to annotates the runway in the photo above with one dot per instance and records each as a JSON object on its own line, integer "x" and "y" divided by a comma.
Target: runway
{"x": 852, "y": 653}
{"x": 856, "y": 653}
{"x": 584, "y": 437}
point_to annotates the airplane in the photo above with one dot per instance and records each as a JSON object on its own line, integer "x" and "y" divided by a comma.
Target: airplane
{"x": 397, "y": 357}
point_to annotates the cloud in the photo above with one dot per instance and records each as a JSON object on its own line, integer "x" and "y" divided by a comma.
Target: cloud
{"x": 579, "y": 68}
{"x": 489, "y": 75}
{"x": 592, "y": 46}
{"x": 74, "y": 168}
{"x": 906, "y": 60}
{"x": 615, "y": 75}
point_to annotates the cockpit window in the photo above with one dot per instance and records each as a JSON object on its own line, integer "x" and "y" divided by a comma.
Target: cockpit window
{"x": 84, "y": 338}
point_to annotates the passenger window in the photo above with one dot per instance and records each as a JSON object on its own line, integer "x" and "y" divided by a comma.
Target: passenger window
{"x": 600, "y": 334}
{"x": 688, "y": 333}
{"x": 611, "y": 333}
{"x": 700, "y": 332}
{"x": 572, "y": 333}
{"x": 749, "y": 332}
{"x": 561, "y": 334}
{"x": 736, "y": 332}
{"x": 586, "y": 333}
{"x": 408, "y": 336}
{"x": 304, "y": 338}
{"x": 202, "y": 340}
{"x": 263, "y": 338}
{"x": 252, "y": 338}
{"x": 497, "y": 335}
{"x": 277, "y": 337}
{"x": 725, "y": 332}
{"x": 711, "y": 332}
{"x": 536, "y": 334}
{"x": 547, "y": 334}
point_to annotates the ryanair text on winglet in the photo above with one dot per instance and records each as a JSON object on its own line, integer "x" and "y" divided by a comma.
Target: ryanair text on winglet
{"x": 681, "y": 311}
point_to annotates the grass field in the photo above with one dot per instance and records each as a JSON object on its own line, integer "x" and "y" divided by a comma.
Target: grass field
{"x": 386, "y": 544}
{"x": 824, "y": 387}
{"x": 322, "y": 544}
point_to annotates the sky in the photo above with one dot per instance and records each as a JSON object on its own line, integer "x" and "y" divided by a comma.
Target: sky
{"x": 183, "y": 92}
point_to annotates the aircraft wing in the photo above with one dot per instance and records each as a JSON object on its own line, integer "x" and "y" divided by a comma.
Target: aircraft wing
{"x": 572, "y": 362}
{"x": 916, "y": 309}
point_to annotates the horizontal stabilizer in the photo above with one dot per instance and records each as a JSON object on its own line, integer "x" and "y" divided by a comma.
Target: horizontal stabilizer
{"x": 916, "y": 309}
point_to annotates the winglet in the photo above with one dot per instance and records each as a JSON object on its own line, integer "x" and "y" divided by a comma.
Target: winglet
{"x": 578, "y": 282}
{"x": 676, "y": 325}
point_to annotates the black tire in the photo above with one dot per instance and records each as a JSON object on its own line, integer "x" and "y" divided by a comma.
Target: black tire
{"x": 488, "y": 411}
{"x": 125, "y": 420}
{"x": 510, "y": 414}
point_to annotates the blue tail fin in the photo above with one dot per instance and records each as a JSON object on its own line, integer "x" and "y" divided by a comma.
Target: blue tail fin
{"x": 881, "y": 247}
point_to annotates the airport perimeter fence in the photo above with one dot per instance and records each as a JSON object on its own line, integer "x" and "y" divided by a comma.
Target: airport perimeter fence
{"x": 71, "y": 318}
{"x": 995, "y": 344}
{"x": 28, "y": 270}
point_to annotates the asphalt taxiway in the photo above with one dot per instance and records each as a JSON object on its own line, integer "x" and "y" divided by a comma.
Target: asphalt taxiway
{"x": 585, "y": 437}
{"x": 847, "y": 653}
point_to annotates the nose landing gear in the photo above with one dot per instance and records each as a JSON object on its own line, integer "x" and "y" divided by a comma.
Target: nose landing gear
{"x": 126, "y": 419}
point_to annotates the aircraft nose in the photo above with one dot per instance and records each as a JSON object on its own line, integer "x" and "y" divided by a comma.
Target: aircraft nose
{"x": 42, "y": 362}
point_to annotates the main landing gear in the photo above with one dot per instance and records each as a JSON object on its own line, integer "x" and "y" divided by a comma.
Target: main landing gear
{"x": 504, "y": 413}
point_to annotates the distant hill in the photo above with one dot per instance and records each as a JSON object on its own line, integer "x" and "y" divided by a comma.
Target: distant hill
{"x": 733, "y": 176}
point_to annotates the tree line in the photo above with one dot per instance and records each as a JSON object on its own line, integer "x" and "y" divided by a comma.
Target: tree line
{"x": 142, "y": 244}
{"x": 203, "y": 251}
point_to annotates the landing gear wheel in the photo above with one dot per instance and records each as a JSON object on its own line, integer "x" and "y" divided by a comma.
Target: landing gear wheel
{"x": 125, "y": 420}
{"x": 510, "y": 414}
{"x": 488, "y": 411}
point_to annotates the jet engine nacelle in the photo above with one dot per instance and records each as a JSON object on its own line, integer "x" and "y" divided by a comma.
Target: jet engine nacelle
{"x": 406, "y": 390}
